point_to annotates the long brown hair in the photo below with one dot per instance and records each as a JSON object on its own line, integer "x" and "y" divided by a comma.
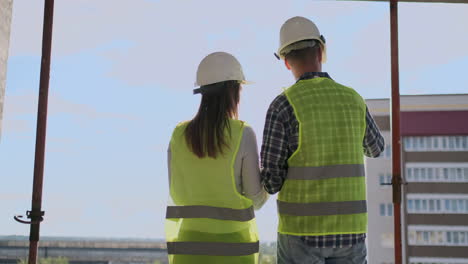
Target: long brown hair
{"x": 206, "y": 132}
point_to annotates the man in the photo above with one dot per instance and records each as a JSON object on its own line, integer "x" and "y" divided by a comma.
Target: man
{"x": 316, "y": 134}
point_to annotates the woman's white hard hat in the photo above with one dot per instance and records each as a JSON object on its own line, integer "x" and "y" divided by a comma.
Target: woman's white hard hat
{"x": 219, "y": 67}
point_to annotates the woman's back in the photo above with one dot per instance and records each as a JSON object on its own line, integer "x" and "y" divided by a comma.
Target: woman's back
{"x": 196, "y": 181}
{"x": 207, "y": 206}
{"x": 208, "y": 220}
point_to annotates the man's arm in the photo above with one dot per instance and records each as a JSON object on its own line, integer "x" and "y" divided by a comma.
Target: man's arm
{"x": 373, "y": 143}
{"x": 274, "y": 154}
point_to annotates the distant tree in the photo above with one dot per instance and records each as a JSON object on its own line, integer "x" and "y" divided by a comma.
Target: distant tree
{"x": 59, "y": 260}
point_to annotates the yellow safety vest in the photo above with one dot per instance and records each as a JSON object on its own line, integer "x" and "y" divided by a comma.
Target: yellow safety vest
{"x": 325, "y": 189}
{"x": 209, "y": 221}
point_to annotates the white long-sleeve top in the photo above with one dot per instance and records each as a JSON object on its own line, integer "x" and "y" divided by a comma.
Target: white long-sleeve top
{"x": 246, "y": 169}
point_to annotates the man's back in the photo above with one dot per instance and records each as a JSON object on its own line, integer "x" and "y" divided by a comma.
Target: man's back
{"x": 282, "y": 138}
{"x": 316, "y": 134}
{"x": 324, "y": 192}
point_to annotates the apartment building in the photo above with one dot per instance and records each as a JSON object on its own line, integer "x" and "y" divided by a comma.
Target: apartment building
{"x": 435, "y": 167}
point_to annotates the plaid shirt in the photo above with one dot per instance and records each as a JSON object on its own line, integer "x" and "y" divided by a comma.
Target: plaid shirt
{"x": 280, "y": 141}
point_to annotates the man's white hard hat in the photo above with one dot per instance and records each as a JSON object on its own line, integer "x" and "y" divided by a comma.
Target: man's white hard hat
{"x": 298, "y": 29}
{"x": 219, "y": 67}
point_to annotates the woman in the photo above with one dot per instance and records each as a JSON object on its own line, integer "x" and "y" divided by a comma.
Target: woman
{"x": 214, "y": 174}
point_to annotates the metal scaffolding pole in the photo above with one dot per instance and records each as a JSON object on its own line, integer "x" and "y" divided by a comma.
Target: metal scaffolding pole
{"x": 36, "y": 214}
{"x": 395, "y": 127}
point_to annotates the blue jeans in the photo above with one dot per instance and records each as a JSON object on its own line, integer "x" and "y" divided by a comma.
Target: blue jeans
{"x": 294, "y": 250}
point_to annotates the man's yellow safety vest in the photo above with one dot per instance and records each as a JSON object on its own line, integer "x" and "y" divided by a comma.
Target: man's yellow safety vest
{"x": 208, "y": 220}
{"x": 325, "y": 189}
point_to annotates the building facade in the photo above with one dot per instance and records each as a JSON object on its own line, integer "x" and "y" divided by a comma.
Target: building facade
{"x": 434, "y": 132}
{"x": 6, "y": 7}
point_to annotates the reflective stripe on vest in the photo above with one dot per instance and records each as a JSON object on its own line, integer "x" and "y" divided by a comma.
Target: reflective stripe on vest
{"x": 212, "y": 248}
{"x": 319, "y": 209}
{"x": 326, "y": 172}
{"x": 202, "y": 211}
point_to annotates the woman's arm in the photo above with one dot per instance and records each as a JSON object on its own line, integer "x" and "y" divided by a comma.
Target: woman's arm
{"x": 248, "y": 163}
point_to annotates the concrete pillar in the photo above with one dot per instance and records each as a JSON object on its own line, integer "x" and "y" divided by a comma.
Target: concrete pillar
{"x": 5, "y": 26}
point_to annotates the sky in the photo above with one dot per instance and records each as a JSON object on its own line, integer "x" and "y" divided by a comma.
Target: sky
{"x": 122, "y": 76}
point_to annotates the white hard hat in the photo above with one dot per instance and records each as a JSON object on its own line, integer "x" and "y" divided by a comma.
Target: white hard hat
{"x": 219, "y": 67}
{"x": 298, "y": 29}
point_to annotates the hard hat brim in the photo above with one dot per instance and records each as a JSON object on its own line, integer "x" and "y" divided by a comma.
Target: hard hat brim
{"x": 241, "y": 82}
{"x": 322, "y": 44}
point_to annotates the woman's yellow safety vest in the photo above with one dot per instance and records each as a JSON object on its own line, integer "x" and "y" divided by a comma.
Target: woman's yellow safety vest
{"x": 325, "y": 189}
{"x": 209, "y": 221}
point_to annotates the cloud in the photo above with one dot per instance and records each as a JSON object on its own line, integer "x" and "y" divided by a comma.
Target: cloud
{"x": 432, "y": 34}
{"x": 20, "y": 113}
{"x": 160, "y": 43}
{"x": 26, "y": 104}
{"x": 425, "y": 43}
{"x": 166, "y": 39}
{"x": 84, "y": 24}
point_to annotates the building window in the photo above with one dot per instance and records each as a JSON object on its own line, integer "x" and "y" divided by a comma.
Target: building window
{"x": 426, "y": 237}
{"x": 385, "y": 179}
{"x": 454, "y": 206}
{"x": 389, "y": 209}
{"x": 424, "y": 205}
{"x": 438, "y": 238}
{"x": 449, "y": 237}
{"x": 430, "y": 174}
{"x": 437, "y": 205}
{"x": 441, "y": 174}
{"x": 417, "y": 204}
{"x": 407, "y": 142}
{"x": 409, "y": 174}
{"x": 421, "y": 143}
{"x": 436, "y": 143}
{"x": 416, "y": 174}
{"x": 431, "y": 205}
{"x": 423, "y": 174}
{"x": 382, "y": 209}
{"x": 386, "y": 209}
{"x": 447, "y": 205}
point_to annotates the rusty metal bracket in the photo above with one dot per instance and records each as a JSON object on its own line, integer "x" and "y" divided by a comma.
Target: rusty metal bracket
{"x": 36, "y": 217}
